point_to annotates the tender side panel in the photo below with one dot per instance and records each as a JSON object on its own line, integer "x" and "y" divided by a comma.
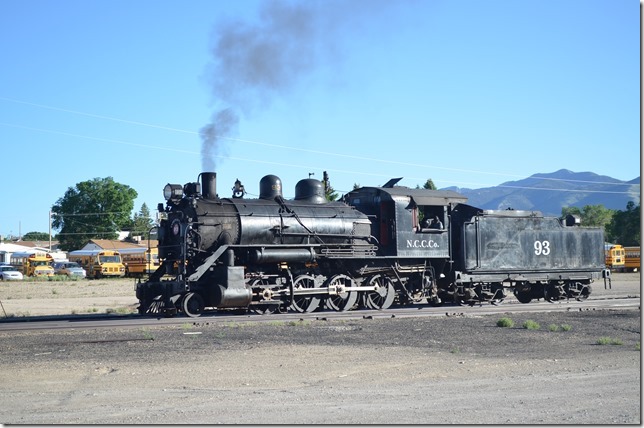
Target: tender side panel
{"x": 530, "y": 244}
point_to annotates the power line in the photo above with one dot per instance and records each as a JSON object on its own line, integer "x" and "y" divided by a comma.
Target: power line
{"x": 308, "y": 167}
{"x": 317, "y": 152}
{"x": 87, "y": 214}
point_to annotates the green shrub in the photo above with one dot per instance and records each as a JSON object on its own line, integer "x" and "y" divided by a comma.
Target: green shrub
{"x": 609, "y": 341}
{"x": 505, "y": 322}
{"x": 531, "y": 325}
{"x": 566, "y": 327}
{"x": 553, "y": 327}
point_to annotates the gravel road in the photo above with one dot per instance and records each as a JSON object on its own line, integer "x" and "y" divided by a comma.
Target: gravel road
{"x": 451, "y": 370}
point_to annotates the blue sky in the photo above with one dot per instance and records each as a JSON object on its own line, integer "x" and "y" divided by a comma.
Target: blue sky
{"x": 467, "y": 93}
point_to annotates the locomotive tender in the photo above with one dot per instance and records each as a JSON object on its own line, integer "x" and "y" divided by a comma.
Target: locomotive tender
{"x": 372, "y": 249}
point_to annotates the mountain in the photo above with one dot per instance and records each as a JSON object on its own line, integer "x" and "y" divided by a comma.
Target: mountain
{"x": 548, "y": 193}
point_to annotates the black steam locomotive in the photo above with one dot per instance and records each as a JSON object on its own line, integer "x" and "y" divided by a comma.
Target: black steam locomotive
{"x": 374, "y": 248}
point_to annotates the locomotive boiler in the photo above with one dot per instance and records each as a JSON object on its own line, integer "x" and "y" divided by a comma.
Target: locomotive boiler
{"x": 372, "y": 249}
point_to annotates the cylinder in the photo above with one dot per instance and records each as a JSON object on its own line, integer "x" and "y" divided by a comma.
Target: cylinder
{"x": 233, "y": 297}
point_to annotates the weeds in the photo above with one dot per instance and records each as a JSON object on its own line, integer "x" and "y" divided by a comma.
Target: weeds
{"x": 531, "y": 325}
{"x": 609, "y": 341}
{"x": 562, "y": 327}
{"x": 505, "y": 322}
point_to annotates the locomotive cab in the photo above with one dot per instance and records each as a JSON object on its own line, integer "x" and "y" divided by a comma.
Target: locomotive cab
{"x": 401, "y": 219}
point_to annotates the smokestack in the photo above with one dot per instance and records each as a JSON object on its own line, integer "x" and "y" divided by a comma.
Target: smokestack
{"x": 209, "y": 185}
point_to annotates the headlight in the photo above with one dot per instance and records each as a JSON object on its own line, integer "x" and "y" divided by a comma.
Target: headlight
{"x": 172, "y": 192}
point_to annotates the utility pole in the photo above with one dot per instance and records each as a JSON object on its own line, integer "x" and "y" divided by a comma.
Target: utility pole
{"x": 50, "y": 231}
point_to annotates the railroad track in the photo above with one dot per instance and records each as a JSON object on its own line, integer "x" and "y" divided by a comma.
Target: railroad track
{"x": 214, "y": 318}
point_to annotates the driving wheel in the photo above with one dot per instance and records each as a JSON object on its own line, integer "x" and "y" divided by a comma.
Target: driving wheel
{"x": 304, "y": 303}
{"x": 383, "y": 296}
{"x": 344, "y": 300}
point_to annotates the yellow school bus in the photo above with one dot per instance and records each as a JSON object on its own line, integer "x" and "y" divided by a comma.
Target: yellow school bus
{"x": 99, "y": 263}
{"x": 615, "y": 259}
{"x": 632, "y": 259}
{"x": 33, "y": 263}
{"x": 140, "y": 261}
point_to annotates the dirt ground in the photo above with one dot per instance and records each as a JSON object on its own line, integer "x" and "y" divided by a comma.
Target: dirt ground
{"x": 85, "y": 296}
{"x": 451, "y": 370}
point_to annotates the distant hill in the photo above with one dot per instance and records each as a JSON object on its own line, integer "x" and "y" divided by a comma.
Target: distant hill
{"x": 548, "y": 193}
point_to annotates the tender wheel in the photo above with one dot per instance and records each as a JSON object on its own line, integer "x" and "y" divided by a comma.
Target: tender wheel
{"x": 552, "y": 293}
{"x": 585, "y": 292}
{"x": 523, "y": 297}
{"x": 304, "y": 304}
{"x": 344, "y": 300}
{"x": 192, "y": 304}
{"x": 523, "y": 291}
{"x": 384, "y": 296}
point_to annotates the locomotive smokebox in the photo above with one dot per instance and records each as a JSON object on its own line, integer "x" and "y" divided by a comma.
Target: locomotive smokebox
{"x": 209, "y": 185}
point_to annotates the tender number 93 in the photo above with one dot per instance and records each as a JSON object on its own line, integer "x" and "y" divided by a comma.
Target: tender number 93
{"x": 541, "y": 248}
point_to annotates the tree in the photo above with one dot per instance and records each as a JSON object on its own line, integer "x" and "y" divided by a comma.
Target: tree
{"x": 624, "y": 227}
{"x": 590, "y": 215}
{"x": 141, "y": 223}
{"x": 96, "y": 208}
{"x": 329, "y": 191}
{"x": 35, "y": 236}
{"x": 429, "y": 185}
{"x": 596, "y": 216}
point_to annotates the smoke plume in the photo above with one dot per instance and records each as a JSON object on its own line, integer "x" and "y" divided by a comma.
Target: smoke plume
{"x": 256, "y": 61}
{"x": 222, "y": 124}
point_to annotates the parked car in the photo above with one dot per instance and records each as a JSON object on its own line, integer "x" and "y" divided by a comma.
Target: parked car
{"x": 9, "y": 273}
{"x": 70, "y": 269}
